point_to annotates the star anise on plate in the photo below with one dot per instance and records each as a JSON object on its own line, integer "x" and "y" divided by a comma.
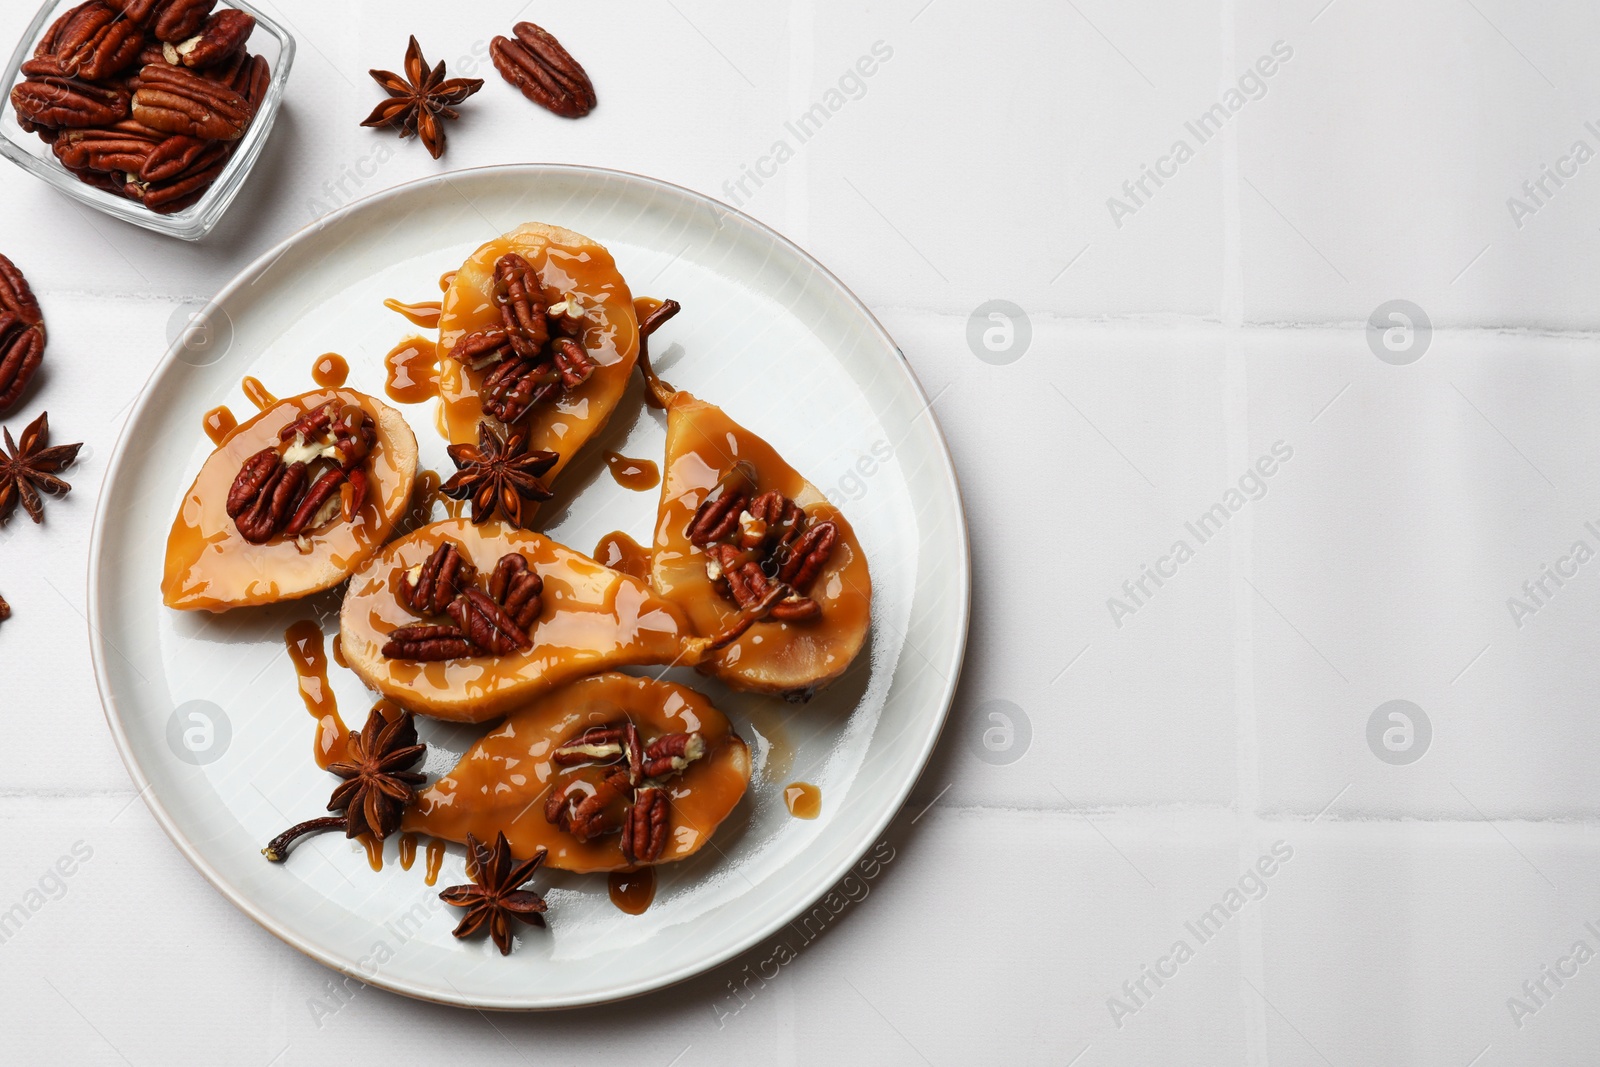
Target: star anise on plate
{"x": 31, "y": 468}
{"x": 421, "y": 101}
{"x": 377, "y": 784}
{"x": 498, "y": 896}
{"x": 498, "y": 475}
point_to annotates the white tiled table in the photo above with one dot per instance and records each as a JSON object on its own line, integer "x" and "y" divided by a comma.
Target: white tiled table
{"x": 1169, "y": 746}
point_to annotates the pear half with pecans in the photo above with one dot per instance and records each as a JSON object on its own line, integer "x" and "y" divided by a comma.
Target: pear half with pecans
{"x": 587, "y": 618}
{"x": 507, "y": 329}
{"x": 735, "y": 518}
{"x": 210, "y": 565}
{"x": 529, "y": 777}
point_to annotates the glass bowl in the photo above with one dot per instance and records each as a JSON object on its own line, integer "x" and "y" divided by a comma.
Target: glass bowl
{"x": 27, "y": 151}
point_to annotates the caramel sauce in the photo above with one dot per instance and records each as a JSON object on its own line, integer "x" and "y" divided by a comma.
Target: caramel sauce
{"x": 640, "y": 475}
{"x": 374, "y": 849}
{"x": 566, "y": 263}
{"x": 210, "y": 566}
{"x": 632, "y": 891}
{"x": 338, "y": 653}
{"x": 434, "y": 860}
{"x": 593, "y": 618}
{"x": 257, "y": 393}
{"x": 219, "y": 423}
{"x": 424, "y": 313}
{"x": 330, "y": 370}
{"x": 803, "y": 800}
{"x": 408, "y": 851}
{"x": 622, "y": 553}
{"x": 772, "y": 656}
{"x": 304, "y": 641}
{"x": 411, "y": 371}
{"x": 501, "y": 783}
{"x": 645, "y": 306}
{"x": 446, "y": 280}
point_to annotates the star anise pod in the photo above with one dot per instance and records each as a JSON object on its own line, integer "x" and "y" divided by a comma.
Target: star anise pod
{"x": 421, "y": 101}
{"x": 377, "y": 785}
{"x": 498, "y": 474}
{"x": 497, "y": 898}
{"x": 31, "y": 468}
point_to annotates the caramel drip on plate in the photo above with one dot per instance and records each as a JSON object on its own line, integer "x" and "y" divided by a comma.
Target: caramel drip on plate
{"x": 411, "y": 371}
{"x": 622, "y": 553}
{"x": 640, "y": 475}
{"x": 304, "y": 641}
{"x": 338, "y": 653}
{"x": 374, "y": 849}
{"x": 632, "y": 891}
{"x": 803, "y": 799}
{"x": 219, "y": 423}
{"x": 330, "y": 370}
{"x": 434, "y": 860}
{"x": 424, "y": 313}
{"x": 408, "y": 851}
{"x": 257, "y": 393}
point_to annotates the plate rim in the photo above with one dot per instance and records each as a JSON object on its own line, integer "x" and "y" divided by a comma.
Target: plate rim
{"x": 146, "y": 792}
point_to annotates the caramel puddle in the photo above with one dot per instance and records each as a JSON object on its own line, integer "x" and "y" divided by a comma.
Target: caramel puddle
{"x": 219, "y": 423}
{"x": 411, "y": 371}
{"x": 257, "y": 393}
{"x": 424, "y": 313}
{"x": 304, "y": 641}
{"x": 803, "y": 800}
{"x": 640, "y": 475}
{"x": 330, "y": 370}
{"x": 622, "y": 553}
{"x": 632, "y": 891}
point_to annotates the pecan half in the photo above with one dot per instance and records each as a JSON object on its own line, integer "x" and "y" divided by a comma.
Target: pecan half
{"x": 322, "y": 490}
{"x": 178, "y": 20}
{"x": 59, "y": 101}
{"x": 252, "y": 81}
{"x": 516, "y": 386}
{"x": 178, "y": 100}
{"x": 486, "y": 624}
{"x": 644, "y": 833}
{"x": 598, "y": 744}
{"x": 537, "y": 64}
{"x": 586, "y": 810}
{"x": 808, "y": 555}
{"x": 263, "y": 497}
{"x": 427, "y": 643}
{"x": 122, "y": 148}
{"x": 428, "y": 588}
{"x": 742, "y": 581}
{"x": 672, "y": 753}
{"x": 21, "y": 350}
{"x": 94, "y": 41}
{"x": 222, "y": 37}
{"x": 517, "y": 588}
{"x": 177, "y": 155}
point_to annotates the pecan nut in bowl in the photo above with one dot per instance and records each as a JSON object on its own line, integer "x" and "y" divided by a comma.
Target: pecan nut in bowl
{"x": 177, "y": 100}
{"x": 596, "y": 801}
{"x": 291, "y": 503}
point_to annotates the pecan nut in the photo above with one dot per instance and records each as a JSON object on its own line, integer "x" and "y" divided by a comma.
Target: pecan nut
{"x": 177, "y": 100}
{"x": 545, "y": 72}
{"x": 321, "y": 492}
{"x": 428, "y": 588}
{"x": 263, "y": 497}
{"x": 587, "y": 811}
{"x": 94, "y": 41}
{"x": 517, "y": 588}
{"x": 644, "y": 832}
{"x": 60, "y": 101}
{"x": 808, "y": 555}
{"x": 427, "y": 643}
{"x": 176, "y": 155}
{"x": 16, "y": 296}
{"x": 672, "y": 753}
{"x": 178, "y": 20}
{"x": 486, "y": 624}
{"x": 221, "y": 38}
{"x": 122, "y": 148}
{"x": 21, "y": 351}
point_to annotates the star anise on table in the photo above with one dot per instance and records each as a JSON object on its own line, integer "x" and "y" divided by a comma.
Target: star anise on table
{"x": 377, "y": 784}
{"x": 421, "y": 101}
{"x": 31, "y": 468}
{"x": 498, "y": 475}
{"x": 498, "y": 896}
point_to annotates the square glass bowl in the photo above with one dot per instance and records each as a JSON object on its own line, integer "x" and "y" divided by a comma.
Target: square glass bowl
{"x": 27, "y": 151}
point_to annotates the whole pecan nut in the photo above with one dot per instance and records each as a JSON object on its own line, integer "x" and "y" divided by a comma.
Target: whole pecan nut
{"x": 177, "y": 100}
{"x": 429, "y": 588}
{"x": 122, "y": 148}
{"x": 517, "y": 588}
{"x": 178, "y": 20}
{"x": 486, "y": 624}
{"x": 21, "y": 351}
{"x": 94, "y": 41}
{"x": 426, "y": 643}
{"x": 644, "y": 832}
{"x": 222, "y": 37}
{"x": 537, "y": 64}
{"x": 264, "y": 494}
{"x": 177, "y": 154}
{"x": 61, "y": 101}
{"x": 808, "y": 555}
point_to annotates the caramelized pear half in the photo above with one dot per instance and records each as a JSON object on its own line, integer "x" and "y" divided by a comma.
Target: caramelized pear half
{"x": 773, "y": 656}
{"x": 591, "y": 618}
{"x": 502, "y": 782}
{"x": 210, "y": 565}
{"x": 568, "y": 264}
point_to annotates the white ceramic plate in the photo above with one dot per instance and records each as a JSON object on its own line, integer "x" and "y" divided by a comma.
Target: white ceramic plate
{"x": 767, "y": 333}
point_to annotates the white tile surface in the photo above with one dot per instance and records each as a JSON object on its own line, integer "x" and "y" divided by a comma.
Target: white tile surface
{"x": 1163, "y": 756}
